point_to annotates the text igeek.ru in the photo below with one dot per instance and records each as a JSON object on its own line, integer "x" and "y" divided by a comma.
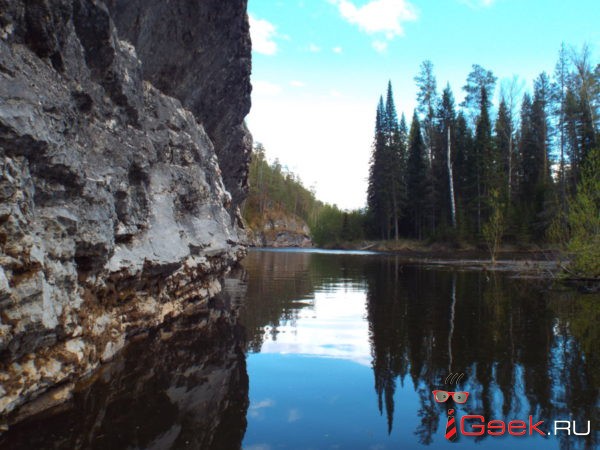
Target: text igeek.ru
{"x": 476, "y": 425}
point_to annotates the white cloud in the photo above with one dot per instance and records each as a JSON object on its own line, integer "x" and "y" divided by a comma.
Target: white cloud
{"x": 337, "y": 50}
{"x": 378, "y": 16}
{"x": 297, "y": 84}
{"x": 313, "y": 48}
{"x": 380, "y": 46}
{"x": 266, "y": 403}
{"x": 263, "y": 35}
{"x": 265, "y": 88}
{"x": 256, "y": 409}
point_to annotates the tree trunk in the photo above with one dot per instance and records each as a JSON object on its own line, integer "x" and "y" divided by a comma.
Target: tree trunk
{"x": 451, "y": 181}
{"x": 478, "y": 203}
{"x": 510, "y": 151}
{"x": 395, "y": 214}
{"x": 452, "y": 314}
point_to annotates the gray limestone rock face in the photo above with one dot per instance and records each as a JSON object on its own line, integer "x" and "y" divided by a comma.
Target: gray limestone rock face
{"x": 113, "y": 212}
{"x": 199, "y": 52}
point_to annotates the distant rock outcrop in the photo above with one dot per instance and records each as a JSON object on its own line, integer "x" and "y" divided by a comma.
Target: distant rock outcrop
{"x": 281, "y": 230}
{"x": 113, "y": 212}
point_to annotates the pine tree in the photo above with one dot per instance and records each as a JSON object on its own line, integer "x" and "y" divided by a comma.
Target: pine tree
{"x": 478, "y": 80}
{"x": 427, "y": 99}
{"x": 427, "y": 103}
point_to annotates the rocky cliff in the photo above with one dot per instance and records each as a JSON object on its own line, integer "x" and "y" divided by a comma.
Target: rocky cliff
{"x": 206, "y": 65}
{"x": 278, "y": 229}
{"x": 114, "y": 215}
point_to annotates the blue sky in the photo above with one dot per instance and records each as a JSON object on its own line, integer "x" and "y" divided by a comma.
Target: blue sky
{"x": 319, "y": 67}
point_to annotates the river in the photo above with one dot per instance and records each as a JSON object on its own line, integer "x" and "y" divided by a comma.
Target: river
{"x": 342, "y": 350}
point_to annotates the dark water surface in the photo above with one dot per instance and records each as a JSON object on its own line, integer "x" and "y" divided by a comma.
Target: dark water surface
{"x": 336, "y": 350}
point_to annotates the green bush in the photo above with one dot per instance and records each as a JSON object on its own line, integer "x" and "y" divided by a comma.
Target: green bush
{"x": 584, "y": 221}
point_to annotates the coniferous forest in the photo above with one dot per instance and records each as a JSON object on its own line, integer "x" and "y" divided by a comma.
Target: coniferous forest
{"x": 515, "y": 170}
{"x": 509, "y": 164}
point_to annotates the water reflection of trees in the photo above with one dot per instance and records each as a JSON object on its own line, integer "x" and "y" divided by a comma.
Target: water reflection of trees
{"x": 525, "y": 350}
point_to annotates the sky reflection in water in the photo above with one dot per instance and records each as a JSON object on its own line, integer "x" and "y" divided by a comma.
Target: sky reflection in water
{"x": 332, "y": 325}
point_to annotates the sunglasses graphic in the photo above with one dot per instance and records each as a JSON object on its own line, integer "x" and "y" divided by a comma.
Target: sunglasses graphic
{"x": 442, "y": 396}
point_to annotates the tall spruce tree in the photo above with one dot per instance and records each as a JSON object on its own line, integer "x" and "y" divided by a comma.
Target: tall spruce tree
{"x": 528, "y": 170}
{"x": 377, "y": 203}
{"x": 394, "y": 157}
{"x": 403, "y": 160}
{"x": 485, "y": 158}
{"x": 479, "y": 90}
{"x": 403, "y": 130}
{"x": 387, "y": 189}
{"x": 539, "y": 156}
{"x": 416, "y": 178}
{"x": 503, "y": 143}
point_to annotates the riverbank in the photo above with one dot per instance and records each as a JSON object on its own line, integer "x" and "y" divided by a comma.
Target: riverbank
{"x": 541, "y": 264}
{"x": 525, "y": 260}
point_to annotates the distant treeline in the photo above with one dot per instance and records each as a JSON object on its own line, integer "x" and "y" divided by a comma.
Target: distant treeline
{"x": 274, "y": 189}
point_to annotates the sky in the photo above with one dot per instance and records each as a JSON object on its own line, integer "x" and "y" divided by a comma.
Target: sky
{"x": 319, "y": 67}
